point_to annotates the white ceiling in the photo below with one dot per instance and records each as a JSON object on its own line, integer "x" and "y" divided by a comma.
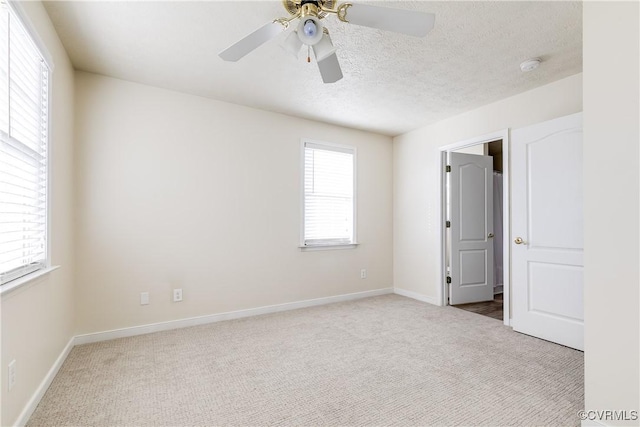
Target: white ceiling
{"x": 392, "y": 83}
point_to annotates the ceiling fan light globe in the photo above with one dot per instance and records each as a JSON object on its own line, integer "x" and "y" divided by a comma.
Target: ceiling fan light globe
{"x": 310, "y": 30}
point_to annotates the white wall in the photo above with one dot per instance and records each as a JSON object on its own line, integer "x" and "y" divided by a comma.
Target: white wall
{"x": 176, "y": 190}
{"x": 416, "y": 166}
{"x": 38, "y": 318}
{"x": 611, "y": 115}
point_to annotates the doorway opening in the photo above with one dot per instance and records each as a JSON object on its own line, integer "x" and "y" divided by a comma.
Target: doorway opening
{"x": 475, "y": 249}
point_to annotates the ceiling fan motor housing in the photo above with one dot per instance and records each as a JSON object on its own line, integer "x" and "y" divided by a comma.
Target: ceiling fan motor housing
{"x": 293, "y": 6}
{"x": 314, "y": 2}
{"x": 309, "y": 8}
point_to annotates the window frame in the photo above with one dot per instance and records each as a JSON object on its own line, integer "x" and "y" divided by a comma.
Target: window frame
{"x": 18, "y": 13}
{"x": 330, "y": 146}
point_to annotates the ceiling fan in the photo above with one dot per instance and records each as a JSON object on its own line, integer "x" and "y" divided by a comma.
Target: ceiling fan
{"x": 311, "y": 32}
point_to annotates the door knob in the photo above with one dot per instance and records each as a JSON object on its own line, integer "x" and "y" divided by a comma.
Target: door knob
{"x": 519, "y": 241}
{"x": 490, "y": 235}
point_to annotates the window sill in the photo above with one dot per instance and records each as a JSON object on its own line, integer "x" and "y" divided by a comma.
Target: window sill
{"x": 21, "y": 281}
{"x": 328, "y": 247}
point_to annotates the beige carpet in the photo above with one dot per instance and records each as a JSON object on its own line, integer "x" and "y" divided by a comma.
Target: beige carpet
{"x": 385, "y": 360}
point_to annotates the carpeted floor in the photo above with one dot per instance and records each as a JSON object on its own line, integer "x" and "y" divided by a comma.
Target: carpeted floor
{"x": 385, "y": 360}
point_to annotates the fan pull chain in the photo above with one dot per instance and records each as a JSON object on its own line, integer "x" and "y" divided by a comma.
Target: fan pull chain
{"x": 308, "y": 53}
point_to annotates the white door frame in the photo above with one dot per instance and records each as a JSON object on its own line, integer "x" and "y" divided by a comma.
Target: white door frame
{"x": 506, "y": 215}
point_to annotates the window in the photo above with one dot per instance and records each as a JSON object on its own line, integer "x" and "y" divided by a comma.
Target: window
{"x": 24, "y": 114}
{"x": 329, "y": 195}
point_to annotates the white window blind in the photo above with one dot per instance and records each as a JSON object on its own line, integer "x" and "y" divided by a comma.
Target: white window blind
{"x": 329, "y": 206}
{"x": 24, "y": 93}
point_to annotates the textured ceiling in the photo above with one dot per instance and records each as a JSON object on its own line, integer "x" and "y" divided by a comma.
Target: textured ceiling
{"x": 392, "y": 83}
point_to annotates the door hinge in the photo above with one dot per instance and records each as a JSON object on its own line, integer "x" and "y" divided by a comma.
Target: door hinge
{"x": 448, "y": 279}
{"x": 448, "y": 168}
{"x": 448, "y": 224}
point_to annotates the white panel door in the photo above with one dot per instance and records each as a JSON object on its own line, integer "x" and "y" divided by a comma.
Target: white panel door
{"x": 471, "y": 231}
{"x": 547, "y": 231}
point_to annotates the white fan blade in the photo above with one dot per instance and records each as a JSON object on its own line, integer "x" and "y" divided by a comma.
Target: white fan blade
{"x": 292, "y": 44}
{"x": 252, "y": 41}
{"x": 330, "y": 69}
{"x": 324, "y": 48}
{"x": 398, "y": 20}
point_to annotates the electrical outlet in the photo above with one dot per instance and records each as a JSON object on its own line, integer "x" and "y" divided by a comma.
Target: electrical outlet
{"x": 144, "y": 298}
{"x": 363, "y": 273}
{"x": 177, "y": 295}
{"x": 12, "y": 374}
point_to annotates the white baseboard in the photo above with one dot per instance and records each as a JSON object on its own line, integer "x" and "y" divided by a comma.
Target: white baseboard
{"x": 44, "y": 385}
{"x": 416, "y": 296}
{"x": 212, "y": 318}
